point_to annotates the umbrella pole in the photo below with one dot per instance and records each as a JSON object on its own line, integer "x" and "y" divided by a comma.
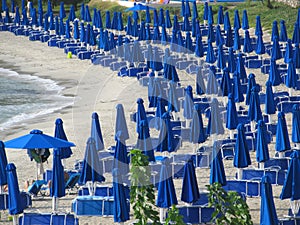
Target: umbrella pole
{"x": 261, "y": 165}
{"x": 239, "y": 173}
{"x": 15, "y": 220}
{"x": 290, "y": 91}
{"x": 231, "y": 134}
{"x": 295, "y": 207}
{"x": 270, "y": 119}
{"x": 297, "y": 70}
{"x": 297, "y": 146}
{"x": 280, "y": 154}
{"x": 54, "y": 204}
{"x": 1, "y": 189}
{"x": 252, "y": 125}
{"x": 162, "y": 215}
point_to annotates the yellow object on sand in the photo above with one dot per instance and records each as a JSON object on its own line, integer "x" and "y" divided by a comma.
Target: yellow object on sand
{"x": 69, "y": 55}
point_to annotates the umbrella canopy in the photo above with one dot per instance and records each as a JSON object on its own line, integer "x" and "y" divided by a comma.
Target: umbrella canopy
{"x": 107, "y": 20}
{"x": 236, "y": 90}
{"x": 227, "y": 25}
{"x": 199, "y": 51}
{"x": 283, "y": 33}
{"x": 4, "y": 5}
{"x": 210, "y": 19}
{"x": 72, "y": 15}
{"x": 251, "y": 83}
{"x": 254, "y": 111}
{"x": 236, "y": 42}
{"x": 195, "y": 11}
{"x": 91, "y": 168}
{"x": 197, "y": 132}
{"x": 215, "y": 123}
{"x": 96, "y": 133}
{"x": 14, "y": 199}
{"x": 262, "y": 151}
{"x": 275, "y": 32}
{"x": 121, "y": 124}
{"x": 76, "y": 33}
{"x": 166, "y": 196}
{"x": 275, "y": 53}
{"x": 36, "y": 139}
{"x": 49, "y": 7}
{"x": 57, "y": 188}
{"x": 217, "y": 172}
{"x": 237, "y": 22}
{"x": 166, "y": 137}
{"x": 296, "y": 56}
{"x": 156, "y": 64}
{"x": 173, "y": 102}
{"x": 200, "y": 86}
{"x": 205, "y": 11}
{"x": 187, "y": 9}
{"x": 82, "y": 11}
{"x": 291, "y": 77}
{"x": 232, "y": 119}
{"x": 296, "y": 35}
{"x": 148, "y": 16}
{"x": 60, "y": 133}
{"x": 62, "y": 12}
{"x": 212, "y": 83}
{"x": 121, "y": 159}
{"x": 226, "y": 84}
{"x": 144, "y": 142}
{"x": 190, "y": 191}
{"x": 231, "y": 61}
{"x": 274, "y": 75}
{"x": 211, "y": 34}
{"x": 121, "y": 212}
{"x": 240, "y": 67}
{"x": 210, "y": 54}
{"x": 139, "y": 7}
{"x": 247, "y": 43}
{"x": 260, "y": 46}
{"x": 219, "y": 36}
{"x": 296, "y": 124}
{"x": 140, "y": 114}
{"x": 188, "y": 103}
{"x": 268, "y": 213}
{"x": 87, "y": 14}
{"x": 245, "y": 22}
{"x": 241, "y": 152}
{"x": 220, "y": 15}
{"x": 258, "y": 28}
{"x": 17, "y": 19}
{"x": 221, "y": 62}
{"x": 270, "y": 107}
{"x": 161, "y": 17}
{"x": 3, "y": 164}
{"x": 160, "y": 110}
{"x": 282, "y": 135}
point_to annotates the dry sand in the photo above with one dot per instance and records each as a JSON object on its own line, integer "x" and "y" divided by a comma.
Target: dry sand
{"x": 93, "y": 88}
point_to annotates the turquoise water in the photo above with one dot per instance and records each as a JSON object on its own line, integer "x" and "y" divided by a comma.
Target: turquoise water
{"x": 23, "y": 97}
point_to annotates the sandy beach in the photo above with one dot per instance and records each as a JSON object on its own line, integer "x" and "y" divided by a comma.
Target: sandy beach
{"x": 92, "y": 89}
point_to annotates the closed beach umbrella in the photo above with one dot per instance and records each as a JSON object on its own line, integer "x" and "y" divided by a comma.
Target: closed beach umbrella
{"x": 240, "y": 67}
{"x": 275, "y": 32}
{"x": 187, "y": 9}
{"x": 210, "y": 55}
{"x": 217, "y": 172}
{"x": 296, "y": 33}
{"x": 121, "y": 124}
{"x": 274, "y": 75}
{"x": 4, "y": 5}
{"x": 136, "y": 54}
{"x": 236, "y": 88}
{"x": 144, "y": 142}
{"x": 231, "y": 61}
{"x": 91, "y": 168}
{"x": 228, "y": 38}
{"x": 168, "y": 22}
{"x": 87, "y": 14}
{"x": 237, "y": 22}
{"x": 57, "y": 188}
{"x": 258, "y": 28}
{"x": 282, "y": 135}
{"x": 220, "y": 15}
{"x": 62, "y": 12}
{"x": 121, "y": 212}
{"x": 107, "y": 20}
{"x": 76, "y": 33}
{"x": 166, "y": 137}
{"x": 114, "y": 21}
{"x": 17, "y": 19}
{"x": 68, "y": 30}
{"x": 245, "y": 22}
{"x": 188, "y": 43}
{"x": 254, "y": 111}
{"x": 241, "y": 152}
{"x": 212, "y": 83}
{"x": 268, "y": 213}
{"x": 200, "y": 86}
{"x": 296, "y": 56}
{"x": 283, "y": 33}
{"x": 7, "y": 18}
{"x": 148, "y": 16}
{"x": 270, "y": 107}
{"x": 226, "y": 84}
{"x": 121, "y": 160}
{"x": 120, "y": 26}
{"x": 276, "y": 53}
{"x": 288, "y": 51}
{"x": 291, "y": 184}
{"x": 171, "y": 73}
{"x": 186, "y": 24}
{"x": 296, "y": 124}
{"x": 60, "y": 133}
{"x": 99, "y": 17}
{"x": 161, "y": 17}
{"x": 173, "y": 102}
{"x": 95, "y": 18}
{"x": 195, "y": 11}
{"x": 46, "y": 23}
{"x": 197, "y": 132}
{"x": 247, "y": 43}
{"x": 155, "y": 18}
{"x": 236, "y": 41}
{"x": 251, "y": 83}
{"x": 221, "y": 62}
{"x": 210, "y": 20}
{"x": 188, "y": 103}
{"x": 72, "y": 15}
{"x": 215, "y": 123}
{"x": 49, "y": 8}
{"x": 129, "y": 26}
{"x": 199, "y": 51}
{"x": 219, "y": 36}
{"x": 34, "y": 21}
{"x": 140, "y": 114}
{"x": 232, "y": 116}
{"x": 211, "y": 34}
{"x": 160, "y": 110}
{"x": 96, "y": 133}
{"x": 227, "y": 25}
{"x": 164, "y": 35}
{"x": 62, "y": 30}
{"x": 82, "y": 33}
{"x": 291, "y": 77}
{"x": 260, "y": 46}
{"x": 176, "y": 26}
{"x": 3, "y": 164}
{"x": 182, "y": 10}
{"x": 82, "y": 11}
{"x": 190, "y": 191}
{"x": 156, "y": 35}
{"x": 205, "y": 11}
{"x": 262, "y": 150}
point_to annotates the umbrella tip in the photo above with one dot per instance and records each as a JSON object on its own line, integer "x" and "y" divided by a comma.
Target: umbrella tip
{"x": 36, "y": 132}
{"x": 58, "y": 121}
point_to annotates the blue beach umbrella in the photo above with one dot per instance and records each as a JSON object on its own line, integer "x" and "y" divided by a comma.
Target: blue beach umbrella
{"x": 296, "y": 124}
{"x": 211, "y": 34}
{"x": 62, "y": 30}
{"x": 258, "y": 28}
{"x": 254, "y": 111}
{"x": 268, "y": 213}
{"x": 49, "y": 8}
{"x": 188, "y": 103}
{"x": 96, "y": 133}
{"x": 171, "y": 71}
{"x": 166, "y": 196}
{"x": 144, "y": 142}
{"x": 57, "y": 188}
{"x": 237, "y": 22}
{"x": 275, "y": 32}
{"x": 231, "y": 115}
{"x": 236, "y": 40}
{"x": 3, "y": 164}
{"x": 210, "y": 54}
{"x": 221, "y": 61}
{"x": 17, "y": 19}
{"x": 220, "y": 19}
{"x": 282, "y": 135}
{"x": 62, "y": 12}
{"x": 107, "y": 20}
{"x": 276, "y": 53}
{"x": 91, "y": 168}
{"x": 219, "y": 36}
{"x": 136, "y": 54}
{"x": 129, "y": 26}
{"x": 121, "y": 124}
{"x": 121, "y": 212}
{"x": 34, "y": 21}
{"x": 82, "y": 32}
{"x": 135, "y": 16}
{"x": 270, "y": 106}
{"x": 212, "y": 83}
{"x": 114, "y": 21}
{"x": 241, "y": 152}
{"x": 274, "y": 75}
{"x": 236, "y": 90}
{"x": 156, "y": 35}
{"x": 76, "y": 33}
{"x": 283, "y": 33}
{"x": 245, "y": 22}
{"x": 197, "y": 132}
{"x": 231, "y": 63}
{"x": 288, "y": 51}
{"x": 260, "y": 46}
{"x": 228, "y": 38}
{"x": 87, "y": 14}
{"x": 166, "y": 141}
{"x": 121, "y": 159}
{"x": 296, "y": 56}
{"x": 296, "y": 33}
{"x": 188, "y": 43}
{"x": 87, "y": 33}
{"x": 4, "y": 5}
{"x": 72, "y": 15}
{"x": 173, "y": 102}
{"x": 197, "y": 29}
{"x": 190, "y": 190}
{"x": 251, "y": 83}
{"x": 168, "y": 22}
{"x": 227, "y": 25}
{"x": 217, "y": 171}
{"x": 262, "y": 151}
{"x": 52, "y": 25}
{"x": 186, "y": 24}
{"x": 195, "y": 11}
{"x": 291, "y": 78}
{"x": 205, "y": 11}
{"x": 12, "y": 6}
{"x": 95, "y": 18}
{"x": 140, "y": 114}
{"x": 291, "y": 184}
{"x": 247, "y": 43}
{"x": 68, "y": 30}
{"x": 174, "y": 41}
{"x": 164, "y": 35}
{"x": 60, "y": 133}
{"x": 82, "y": 11}
{"x": 99, "y": 17}
{"x": 240, "y": 67}
{"x": 23, "y": 5}
{"x": 199, "y": 51}
{"x": 161, "y": 17}
{"x": 148, "y": 16}
{"x": 46, "y": 23}
{"x": 215, "y": 123}
{"x": 226, "y": 84}
{"x": 180, "y": 43}
{"x": 210, "y": 16}
{"x": 176, "y": 26}
{"x": 148, "y": 57}
{"x": 155, "y": 18}
{"x": 187, "y": 9}
{"x": 200, "y": 86}
{"x": 7, "y": 18}
{"x": 160, "y": 110}
{"x": 14, "y": 199}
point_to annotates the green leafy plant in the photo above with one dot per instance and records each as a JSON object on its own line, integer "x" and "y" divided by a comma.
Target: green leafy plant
{"x": 230, "y": 208}
{"x": 174, "y": 217}
{"x": 142, "y": 190}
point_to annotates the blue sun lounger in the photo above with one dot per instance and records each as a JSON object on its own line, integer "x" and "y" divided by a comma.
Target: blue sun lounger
{"x": 47, "y": 218}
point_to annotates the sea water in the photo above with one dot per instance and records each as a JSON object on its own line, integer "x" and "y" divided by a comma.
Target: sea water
{"x": 24, "y": 96}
